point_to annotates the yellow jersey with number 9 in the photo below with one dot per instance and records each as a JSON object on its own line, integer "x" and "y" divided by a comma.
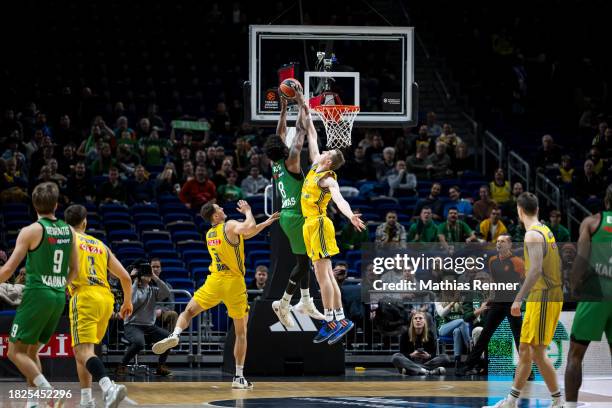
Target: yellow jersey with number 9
{"x": 314, "y": 198}
{"x": 226, "y": 256}
{"x": 93, "y": 264}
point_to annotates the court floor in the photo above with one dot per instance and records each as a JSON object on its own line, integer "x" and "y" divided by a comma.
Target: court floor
{"x": 376, "y": 388}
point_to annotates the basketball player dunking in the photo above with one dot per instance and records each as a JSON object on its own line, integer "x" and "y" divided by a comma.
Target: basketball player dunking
{"x": 225, "y": 241}
{"x": 592, "y": 318}
{"x": 288, "y": 179}
{"x": 543, "y": 292}
{"x": 319, "y": 187}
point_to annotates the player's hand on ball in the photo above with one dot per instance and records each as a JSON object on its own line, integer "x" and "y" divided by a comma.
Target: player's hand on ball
{"x": 243, "y": 207}
{"x": 357, "y": 222}
{"x": 516, "y": 309}
{"x": 126, "y": 310}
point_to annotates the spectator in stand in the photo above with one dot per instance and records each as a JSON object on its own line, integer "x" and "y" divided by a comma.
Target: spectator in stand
{"x": 358, "y": 168}
{"x": 144, "y": 129}
{"x": 230, "y": 191}
{"x": 13, "y": 186}
{"x": 185, "y": 156}
{"x": 374, "y": 153}
{"x": 127, "y": 160}
{"x": 260, "y": 161}
{"x": 65, "y": 134}
{"x": 588, "y": 185}
{"x": 424, "y": 230}
{"x": 549, "y": 154}
{"x": 350, "y": 238}
{"x": 500, "y": 188}
{"x": 441, "y": 162}
{"x": 11, "y": 294}
{"x": 112, "y": 190}
{"x": 33, "y": 145}
{"x": 509, "y": 208}
{"x": 391, "y": 231}
{"x": 401, "y": 146}
{"x": 254, "y": 184}
{"x": 418, "y": 350}
{"x": 462, "y": 160}
{"x": 482, "y": 208}
{"x": 68, "y": 160}
{"x": 602, "y": 127}
{"x": 79, "y": 188}
{"x": 199, "y": 190}
{"x": 153, "y": 149}
{"x": 419, "y": 163}
{"x": 598, "y": 163}
{"x": 167, "y": 182}
{"x": 433, "y": 129}
{"x": 222, "y": 174}
{"x": 127, "y": 138}
{"x": 424, "y": 138}
{"x": 105, "y": 162}
{"x": 455, "y": 201}
{"x": 401, "y": 182}
{"x": 561, "y": 233}
{"x": 432, "y": 201}
{"x": 59, "y": 179}
{"x": 449, "y": 316}
{"x": 386, "y": 166}
{"x": 449, "y": 137}
{"x": 566, "y": 171}
{"x": 605, "y": 145}
{"x": 215, "y": 157}
{"x": 45, "y": 176}
{"x": 140, "y": 189}
{"x": 261, "y": 278}
{"x": 40, "y": 157}
{"x": 12, "y": 151}
{"x": 187, "y": 172}
{"x": 123, "y": 126}
{"x": 241, "y": 156}
{"x": 493, "y": 227}
{"x": 455, "y": 230}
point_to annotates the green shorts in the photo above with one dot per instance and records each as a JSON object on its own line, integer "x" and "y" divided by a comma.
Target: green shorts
{"x": 37, "y": 316}
{"x": 592, "y": 319}
{"x": 292, "y": 223}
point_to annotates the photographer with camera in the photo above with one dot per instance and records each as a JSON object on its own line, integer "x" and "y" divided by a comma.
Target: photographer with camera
{"x": 140, "y": 326}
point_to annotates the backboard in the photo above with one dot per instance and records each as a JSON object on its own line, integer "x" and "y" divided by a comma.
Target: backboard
{"x": 371, "y": 67}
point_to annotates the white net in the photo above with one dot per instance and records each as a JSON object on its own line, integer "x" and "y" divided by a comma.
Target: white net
{"x": 338, "y": 121}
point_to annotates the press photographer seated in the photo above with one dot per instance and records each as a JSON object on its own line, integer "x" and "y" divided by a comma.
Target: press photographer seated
{"x": 417, "y": 354}
{"x": 140, "y": 328}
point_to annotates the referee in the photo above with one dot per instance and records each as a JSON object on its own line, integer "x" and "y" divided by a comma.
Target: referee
{"x": 504, "y": 267}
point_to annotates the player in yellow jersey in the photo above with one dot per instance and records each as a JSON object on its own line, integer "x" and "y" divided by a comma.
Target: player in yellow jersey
{"x": 320, "y": 186}
{"x": 91, "y": 307}
{"x": 544, "y": 295}
{"x": 225, "y": 241}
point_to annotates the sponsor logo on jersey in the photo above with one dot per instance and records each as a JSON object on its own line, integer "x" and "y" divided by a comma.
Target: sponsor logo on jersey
{"x": 57, "y": 231}
{"x": 54, "y": 281}
{"x": 91, "y": 249}
{"x": 213, "y": 242}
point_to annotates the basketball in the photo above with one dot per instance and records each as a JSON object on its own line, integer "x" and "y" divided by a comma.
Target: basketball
{"x": 288, "y": 87}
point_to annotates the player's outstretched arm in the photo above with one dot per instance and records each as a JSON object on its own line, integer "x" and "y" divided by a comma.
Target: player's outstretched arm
{"x": 581, "y": 264}
{"x": 27, "y": 236}
{"x": 117, "y": 270}
{"x": 293, "y": 161}
{"x": 534, "y": 244}
{"x": 235, "y": 228}
{"x": 281, "y": 126}
{"x": 341, "y": 203}
{"x": 261, "y": 226}
{"x": 313, "y": 143}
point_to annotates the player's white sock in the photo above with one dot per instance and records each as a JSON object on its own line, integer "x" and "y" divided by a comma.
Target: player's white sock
{"x": 177, "y": 331}
{"x": 86, "y": 395}
{"x": 555, "y": 396}
{"x": 105, "y": 384}
{"x": 339, "y": 314}
{"x": 305, "y": 293}
{"x": 514, "y": 394}
{"x": 239, "y": 370}
{"x": 286, "y": 299}
{"x": 41, "y": 382}
{"x": 569, "y": 404}
{"x": 329, "y": 315}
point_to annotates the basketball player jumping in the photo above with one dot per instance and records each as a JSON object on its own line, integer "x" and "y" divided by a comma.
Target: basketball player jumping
{"x": 49, "y": 246}
{"x": 288, "y": 179}
{"x": 592, "y": 318}
{"x": 543, "y": 292}
{"x": 91, "y": 307}
{"x": 225, "y": 240}
{"x": 319, "y": 187}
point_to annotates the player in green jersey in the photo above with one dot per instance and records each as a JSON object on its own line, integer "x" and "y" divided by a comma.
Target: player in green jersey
{"x": 49, "y": 246}
{"x": 591, "y": 280}
{"x": 288, "y": 179}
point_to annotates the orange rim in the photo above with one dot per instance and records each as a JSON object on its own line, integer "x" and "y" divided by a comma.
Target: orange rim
{"x": 334, "y": 112}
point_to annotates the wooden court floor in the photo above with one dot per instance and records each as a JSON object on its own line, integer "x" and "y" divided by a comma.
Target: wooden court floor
{"x": 332, "y": 394}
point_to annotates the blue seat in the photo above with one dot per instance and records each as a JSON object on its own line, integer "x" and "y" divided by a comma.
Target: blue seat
{"x": 155, "y": 235}
{"x": 130, "y": 252}
{"x": 116, "y": 216}
{"x": 179, "y": 236}
{"x": 194, "y": 264}
{"x": 159, "y": 244}
{"x": 121, "y": 235}
{"x": 171, "y": 272}
{"x": 117, "y": 245}
{"x": 167, "y": 199}
{"x": 163, "y": 253}
{"x": 96, "y": 233}
{"x": 169, "y": 262}
{"x": 356, "y": 270}
{"x": 146, "y": 216}
{"x": 179, "y": 207}
{"x": 265, "y": 262}
{"x": 250, "y": 245}
{"x": 94, "y": 223}
{"x": 182, "y": 216}
{"x": 150, "y": 225}
{"x": 142, "y": 208}
{"x": 194, "y": 254}
{"x": 16, "y": 207}
{"x": 182, "y": 283}
{"x": 198, "y": 274}
{"x": 254, "y": 256}
{"x": 118, "y": 225}
{"x": 112, "y": 207}
{"x": 352, "y": 256}
{"x": 181, "y": 226}
{"x": 16, "y": 224}
{"x": 190, "y": 244}
{"x": 408, "y": 201}
{"x": 219, "y": 318}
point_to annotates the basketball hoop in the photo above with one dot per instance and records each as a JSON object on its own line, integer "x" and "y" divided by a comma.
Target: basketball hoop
{"x": 338, "y": 121}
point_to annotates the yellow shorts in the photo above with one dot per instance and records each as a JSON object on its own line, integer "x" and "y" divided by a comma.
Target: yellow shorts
{"x": 319, "y": 237}
{"x": 540, "y": 322}
{"x": 228, "y": 288}
{"x": 90, "y": 311}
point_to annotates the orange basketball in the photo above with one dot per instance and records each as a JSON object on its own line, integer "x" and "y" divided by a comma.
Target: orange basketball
{"x": 288, "y": 87}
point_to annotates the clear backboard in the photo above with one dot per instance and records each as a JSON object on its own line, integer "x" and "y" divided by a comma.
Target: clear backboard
{"x": 371, "y": 67}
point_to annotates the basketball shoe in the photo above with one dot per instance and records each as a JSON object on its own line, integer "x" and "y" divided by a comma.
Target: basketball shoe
{"x": 241, "y": 383}
{"x": 114, "y": 395}
{"x": 284, "y": 314}
{"x": 166, "y": 344}
{"x": 307, "y": 306}
{"x": 326, "y": 331}
{"x": 505, "y": 403}
{"x": 345, "y": 325}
